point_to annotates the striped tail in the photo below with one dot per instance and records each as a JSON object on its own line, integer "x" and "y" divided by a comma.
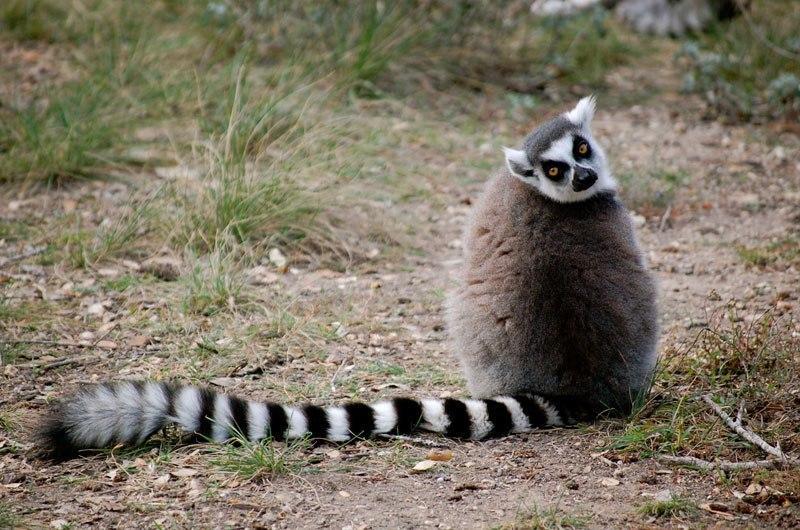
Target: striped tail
{"x": 129, "y": 412}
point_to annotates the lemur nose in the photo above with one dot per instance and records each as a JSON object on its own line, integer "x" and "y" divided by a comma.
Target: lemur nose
{"x": 583, "y": 179}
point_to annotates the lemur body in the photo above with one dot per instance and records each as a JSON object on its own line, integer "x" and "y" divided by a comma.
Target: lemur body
{"x": 555, "y": 297}
{"x": 554, "y": 322}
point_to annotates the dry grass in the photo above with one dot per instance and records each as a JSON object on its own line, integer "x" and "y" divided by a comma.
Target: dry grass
{"x": 736, "y": 362}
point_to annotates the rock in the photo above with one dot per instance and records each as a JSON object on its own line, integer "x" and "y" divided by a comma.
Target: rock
{"x": 107, "y": 344}
{"x": 96, "y": 310}
{"x": 638, "y": 220}
{"x": 609, "y": 482}
{"x": 277, "y": 258}
{"x": 663, "y": 496}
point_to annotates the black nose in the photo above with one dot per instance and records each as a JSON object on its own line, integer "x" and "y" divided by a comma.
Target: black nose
{"x": 583, "y": 179}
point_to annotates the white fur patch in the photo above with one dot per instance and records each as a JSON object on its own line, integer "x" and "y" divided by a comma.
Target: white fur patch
{"x": 298, "y": 424}
{"x": 517, "y": 161}
{"x": 92, "y": 417}
{"x": 549, "y": 8}
{"x": 561, "y": 150}
{"x": 385, "y": 416}
{"x": 221, "y": 422}
{"x": 553, "y": 418}
{"x": 338, "y": 424}
{"x": 480, "y": 425}
{"x": 257, "y": 420}
{"x": 433, "y": 416}
{"x": 128, "y": 411}
{"x": 518, "y": 417}
{"x": 583, "y": 112}
{"x": 155, "y": 405}
{"x": 188, "y": 408}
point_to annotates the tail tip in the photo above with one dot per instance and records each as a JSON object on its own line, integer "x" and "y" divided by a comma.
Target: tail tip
{"x": 52, "y": 440}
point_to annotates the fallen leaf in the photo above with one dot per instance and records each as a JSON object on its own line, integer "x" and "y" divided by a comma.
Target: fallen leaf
{"x": 440, "y": 456}
{"x": 423, "y": 466}
{"x": 609, "y": 482}
{"x": 754, "y": 488}
{"x": 107, "y": 344}
{"x": 718, "y": 509}
{"x": 195, "y": 490}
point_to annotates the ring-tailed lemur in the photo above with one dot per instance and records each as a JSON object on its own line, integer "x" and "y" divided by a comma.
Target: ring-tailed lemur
{"x": 554, "y": 322}
{"x": 660, "y": 17}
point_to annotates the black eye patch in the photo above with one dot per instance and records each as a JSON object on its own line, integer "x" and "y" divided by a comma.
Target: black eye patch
{"x": 581, "y": 148}
{"x": 555, "y": 170}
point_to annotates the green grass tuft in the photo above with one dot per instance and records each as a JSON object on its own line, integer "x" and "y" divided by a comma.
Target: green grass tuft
{"x": 8, "y": 519}
{"x": 553, "y": 518}
{"x": 260, "y": 460}
{"x": 215, "y": 283}
{"x": 674, "y": 507}
{"x": 785, "y": 251}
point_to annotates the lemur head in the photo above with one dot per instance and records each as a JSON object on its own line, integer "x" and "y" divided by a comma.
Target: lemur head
{"x": 561, "y": 159}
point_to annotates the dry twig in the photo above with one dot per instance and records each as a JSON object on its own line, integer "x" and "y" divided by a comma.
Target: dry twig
{"x": 737, "y": 427}
{"x": 35, "y": 251}
{"x": 724, "y": 466}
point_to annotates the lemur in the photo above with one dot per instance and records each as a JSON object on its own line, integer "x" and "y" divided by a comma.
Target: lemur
{"x": 659, "y": 17}
{"x": 554, "y": 322}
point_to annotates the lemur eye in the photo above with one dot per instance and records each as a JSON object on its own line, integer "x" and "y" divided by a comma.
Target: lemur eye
{"x": 553, "y": 171}
{"x": 581, "y": 148}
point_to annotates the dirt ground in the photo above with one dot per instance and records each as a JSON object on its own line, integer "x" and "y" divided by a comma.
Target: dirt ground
{"x": 742, "y": 190}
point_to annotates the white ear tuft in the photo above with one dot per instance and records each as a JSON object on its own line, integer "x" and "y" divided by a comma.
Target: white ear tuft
{"x": 517, "y": 162}
{"x": 583, "y": 112}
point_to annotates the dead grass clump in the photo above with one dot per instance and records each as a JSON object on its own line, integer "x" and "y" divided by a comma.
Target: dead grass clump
{"x": 751, "y": 364}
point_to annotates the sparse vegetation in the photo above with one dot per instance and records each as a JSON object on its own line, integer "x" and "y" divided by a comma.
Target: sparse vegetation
{"x": 552, "y": 518}
{"x": 260, "y": 460}
{"x": 7, "y": 517}
{"x": 672, "y": 508}
{"x": 735, "y": 362}
{"x": 650, "y": 192}
{"x": 784, "y": 253}
{"x": 748, "y": 68}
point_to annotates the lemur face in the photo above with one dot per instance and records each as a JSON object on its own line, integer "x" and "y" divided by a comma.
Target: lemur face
{"x": 561, "y": 159}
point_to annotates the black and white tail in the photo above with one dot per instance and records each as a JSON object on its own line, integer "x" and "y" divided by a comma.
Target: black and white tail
{"x": 129, "y": 412}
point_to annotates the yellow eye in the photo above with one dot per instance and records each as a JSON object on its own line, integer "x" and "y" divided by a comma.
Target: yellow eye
{"x": 583, "y": 149}
{"x": 553, "y": 171}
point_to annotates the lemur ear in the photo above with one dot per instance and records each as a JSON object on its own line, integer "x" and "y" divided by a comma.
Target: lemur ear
{"x": 583, "y": 112}
{"x": 518, "y": 162}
